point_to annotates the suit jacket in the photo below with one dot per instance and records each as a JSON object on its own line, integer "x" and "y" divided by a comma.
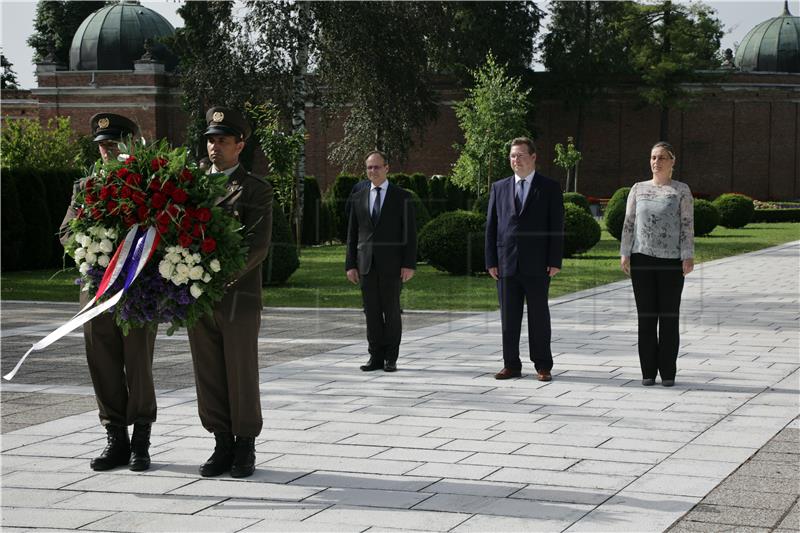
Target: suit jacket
{"x": 250, "y": 201}
{"x": 529, "y": 242}
{"x": 392, "y": 243}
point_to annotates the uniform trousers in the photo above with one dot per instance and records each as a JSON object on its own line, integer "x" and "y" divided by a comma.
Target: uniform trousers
{"x": 513, "y": 292}
{"x": 657, "y": 286}
{"x": 224, "y": 348}
{"x": 121, "y": 367}
{"x": 381, "y": 296}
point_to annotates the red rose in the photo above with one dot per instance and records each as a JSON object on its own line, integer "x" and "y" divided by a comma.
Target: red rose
{"x": 134, "y": 180}
{"x": 130, "y": 160}
{"x": 203, "y": 214}
{"x": 185, "y": 240}
{"x": 159, "y": 200}
{"x": 186, "y": 224}
{"x": 104, "y": 193}
{"x": 155, "y": 185}
{"x": 173, "y": 210}
{"x": 79, "y": 213}
{"x": 179, "y": 196}
{"x": 125, "y": 208}
{"x": 138, "y": 197}
{"x": 209, "y": 245}
{"x": 113, "y": 190}
{"x": 129, "y": 220}
{"x": 89, "y": 184}
{"x": 89, "y": 199}
{"x": 126, "y": 192}
{"x": 168, "y": 187}
{"x": 96, "y": 213}
{"x": 198, "y": 230}
{"x": 123, "y": 172}
{"x": 186, "y": 175}
{"x": 111, "y": 206}
{"x": 142, "y": 213}
{"x": 158, "y": 163}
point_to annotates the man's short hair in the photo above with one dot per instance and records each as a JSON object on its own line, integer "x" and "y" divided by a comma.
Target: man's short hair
{"x": 383, "y": 156}
{"x": 517, "y": 141}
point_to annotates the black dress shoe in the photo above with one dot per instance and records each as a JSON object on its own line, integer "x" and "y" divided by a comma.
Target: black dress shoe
{"x": 373, "y": 364}
{"x": 140, "y": 448}
{"x": 508, "y": 374}
{"x": 220, "y": 461}
{"x": 244, "y": 457}
{"x": 390, "y": 366}
{"x": 117, "y": 451}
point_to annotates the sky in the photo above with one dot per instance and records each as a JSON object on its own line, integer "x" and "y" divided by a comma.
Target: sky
{"x": 737, "y": 16}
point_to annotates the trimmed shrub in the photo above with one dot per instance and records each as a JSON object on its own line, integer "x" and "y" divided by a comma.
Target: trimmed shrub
{"x": 457, "y": 198}
{"x": 282, "y": 260}
{"x": 401, "y": 180}
{"x": 614, "y": 215}
{"x": 420, "y": 181}
{"x": 581, "y": 230}
{"x": 437, "y": 198}
{"x": 776, "y": 215}
{"x": 59, "y": 193}
{"x": 12, "y": 223}
{"x": 453, "y": 242}
{"x": 312, "y": 208}
{"x": 481, "y": 205}
{"x": 336, "y": 200}
{"x": 706, "y": 217}
{"x": 735, "y": 210}
{"x": 577, "y": 199}
{"x": 36, "y": 248}
{"x": 421, "y": 212}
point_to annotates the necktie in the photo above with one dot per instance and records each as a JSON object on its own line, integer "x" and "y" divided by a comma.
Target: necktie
{"x": 376, "y": 207}
{"x": 520, "y": 195}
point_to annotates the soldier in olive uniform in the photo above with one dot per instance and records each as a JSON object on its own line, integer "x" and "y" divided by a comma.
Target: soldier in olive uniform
{"x": 224, "y": 343}
{"x": 121, "y": 366}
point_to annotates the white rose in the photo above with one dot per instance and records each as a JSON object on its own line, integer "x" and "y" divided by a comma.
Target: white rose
{"x": 196, "y": 257}
{"x": 189, "y": 259}
{"x": 177, "y": 279}
{"x": 196, "y": 272}
{"x": 214, "y": 265}
{"x": 173, "y": 258}
{"x": 195, "y": 290}
{"x": 84, "y": 240}
{"x": 182, "y": 269}
{"x": 106, "y": 246}
{"x": 103, "y": 260}
{"x": 206, "y": 277}
{"x": 165, "y": 268}
{"x": 93, "y": 248}
{"x": 79, "y": 238}
{"x": 84, "y": 268}
{"x": 91, "y": 258}
{"x": 80, "y": 253}
{"x": 111, "y": 234}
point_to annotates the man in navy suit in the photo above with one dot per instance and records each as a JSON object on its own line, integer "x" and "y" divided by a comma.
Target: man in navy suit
{"x": 381, "y": 255}
{"x": 524, "y": 247}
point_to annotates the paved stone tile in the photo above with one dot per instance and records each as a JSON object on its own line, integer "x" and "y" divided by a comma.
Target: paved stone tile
{"x": 416, "y": 454}
{"x": 703, "y": 452}
{"x": 412, "y": 519}
{"x": 689, "y": 526}
{"x": 267, "y": 510}
{"x": 610, "y": 467}
{"x": 519, "y": 461}
{"x": 389, "y": 499}
{"x": 224, "y": 488}
{"x": 756, "y": 500}
{"x": 285, "y": 526}
{"x": 42, "y": 498}
{"x": 145, "y": 523}
{"x": 550, "y": 493}
{"x": 656, "y": 483}
{"x": 474, "y": 488}
{"x": 693, "y": 467}
{"x": 344, "y": 464}
{"x": 42, "y": 480}
{"x": 49, "y": 518}
{"x": 336, "y": 450}
{"x": 738, "y": 516}
{"x": 792, "y": 519}
{"x": 483, "y": 523}
{"x": 504, "y": 507}
{"x": 771, "y": 470}
{"x": 455, "y": 471}
{"x": 130, "y": 483}
{"x": 140, "y": 503}
{"x": 632, "y": 511}
{"x": 365, "y": 481}
{"x": 759, "y": 484}
{"x": 568, "y": 479}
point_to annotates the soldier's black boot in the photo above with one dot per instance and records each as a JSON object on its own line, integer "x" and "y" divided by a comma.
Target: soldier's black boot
{"x": 220, "y": 461}
{"x": 140, "y": 448}
{"x": 117, "y": 451}
{"x": 244, "y": 457}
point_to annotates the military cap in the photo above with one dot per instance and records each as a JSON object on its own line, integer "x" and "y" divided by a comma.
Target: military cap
{"x": 227, "y": 121}
{"x": 112, "y": 127}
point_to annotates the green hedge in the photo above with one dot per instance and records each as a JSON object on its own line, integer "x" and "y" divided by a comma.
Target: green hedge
{"x": 735, "y": 210}
{"x": 776, "y": 215}
{"x": 282, "y": 260}
{"x": 481, "y": 205}
{"x": 454, "y": 242}
{"x": 706, "y": 217}
{"x": 420, "y": 182}
{"x": 12, "y": 224}
{"x": 421, "y": 212}
{"x": 315, "y": 221}
{"x": 336, "y": 202}
{"x": 581, "y": 230}
{"x": 577, "y": 199}
{"x": 614, "y": 215}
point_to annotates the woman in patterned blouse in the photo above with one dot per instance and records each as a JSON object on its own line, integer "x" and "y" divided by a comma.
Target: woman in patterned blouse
{"x": 657, "y": 251}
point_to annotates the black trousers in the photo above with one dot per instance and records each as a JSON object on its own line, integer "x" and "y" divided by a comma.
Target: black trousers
{"x": 513, "y": 292}
{"x": 657, "y": 287}
{"x": 381, "y": 296}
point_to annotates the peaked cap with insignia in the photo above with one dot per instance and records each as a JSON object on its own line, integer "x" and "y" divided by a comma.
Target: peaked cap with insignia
{"x": 227, "y": 121}
{"x": 112, "y": 127}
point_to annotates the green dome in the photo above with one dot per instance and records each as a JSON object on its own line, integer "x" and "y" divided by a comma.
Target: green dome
{"x": 113, "y": 37}
{"x": 772, "y": 46}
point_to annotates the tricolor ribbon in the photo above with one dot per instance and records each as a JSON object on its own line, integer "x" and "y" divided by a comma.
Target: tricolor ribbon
{"x": 134, "y": 253}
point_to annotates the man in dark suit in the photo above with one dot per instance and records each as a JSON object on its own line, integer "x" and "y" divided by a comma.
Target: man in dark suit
{"x": 524, "y": 247}
{"x": 121, "y": 366}
{"x": 224, "y": 343}
{"x": 381, "y": 255}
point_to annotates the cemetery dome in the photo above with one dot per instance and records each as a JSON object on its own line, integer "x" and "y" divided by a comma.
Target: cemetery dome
{"x": 772, "y": 46}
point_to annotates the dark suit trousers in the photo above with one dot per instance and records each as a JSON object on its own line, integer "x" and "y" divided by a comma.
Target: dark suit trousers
{"x": 122, "y": 371}
{"x": 381, "y": 296}
{"x": 513, "y": 291}
{"x": 224, "y": 348}
{"x": 657, "y": 287}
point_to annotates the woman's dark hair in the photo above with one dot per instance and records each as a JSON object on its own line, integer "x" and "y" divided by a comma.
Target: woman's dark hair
{"x": 666, "y": 146}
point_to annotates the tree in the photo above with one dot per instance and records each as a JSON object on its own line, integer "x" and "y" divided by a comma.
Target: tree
{"x": 375, "y": 65}
{"x": 493, "y": 113}
{"x": 22, "y": 142}
{"x": 568, "y": 158}
{"x": 55, "y": 25}
{"x": 669, "y": 43}
{"x": 583, "y": 52}
{"x": 8, "y": 80}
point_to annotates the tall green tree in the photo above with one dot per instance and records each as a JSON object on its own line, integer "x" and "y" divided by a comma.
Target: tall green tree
{"x": 494, "y": 112}
{"x": 8, "y": 78}
{"x": 584, "y": 52}
{"x": 669, "y": 43}
{"x": 55, "y": 25}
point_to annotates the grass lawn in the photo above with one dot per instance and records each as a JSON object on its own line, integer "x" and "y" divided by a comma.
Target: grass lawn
{"x": 320, "y": 280}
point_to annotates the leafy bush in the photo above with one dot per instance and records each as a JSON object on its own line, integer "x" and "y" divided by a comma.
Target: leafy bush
{"x": 36, "y": 248}
{"x": 706, "y": 217}
{"x": 577, "y": 199}
{"x": 776, "y": 215}
{"x": 12, "y": 223}
{"x": 614, "y": 215}
{"x": 581, "y": 230}
{"x": 453, "y": 242}
{"x": 437, "y": 198}
{"x": 336, "y": 201}
{"x": 282, "y": 260}
{"x": 735, "y": 210}
{"x": 28, "y": 144}
{"x": 481, "y": 205}
{"x": 401, "y": 180}
{"x": 421, "y": 212}
{"x": 420, "y": 182}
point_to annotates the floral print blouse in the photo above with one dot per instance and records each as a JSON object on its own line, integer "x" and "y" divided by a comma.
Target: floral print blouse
{"x": 659, "y": 221}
